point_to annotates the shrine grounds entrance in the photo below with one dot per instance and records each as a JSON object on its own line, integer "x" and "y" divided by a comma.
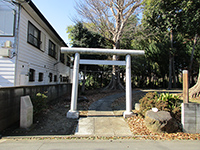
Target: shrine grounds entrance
{"x": 73, "y": 113}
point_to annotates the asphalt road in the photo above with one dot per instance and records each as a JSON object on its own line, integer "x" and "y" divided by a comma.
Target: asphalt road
{"x": 97, "y": 145}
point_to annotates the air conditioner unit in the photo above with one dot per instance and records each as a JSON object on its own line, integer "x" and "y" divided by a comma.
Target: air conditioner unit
{"x": 8, "y": 44}
{"x": 5, "y": 52}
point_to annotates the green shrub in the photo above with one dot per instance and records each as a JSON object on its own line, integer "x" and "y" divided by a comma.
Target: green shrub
{"x": 39, "y": 103}
{"x": 164, "y": 101}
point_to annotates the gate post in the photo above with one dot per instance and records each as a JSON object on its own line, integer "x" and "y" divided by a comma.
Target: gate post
{"x": 128, "y": 111}
{"x": 73, "y": 113}
{"x": 185, "y": 87}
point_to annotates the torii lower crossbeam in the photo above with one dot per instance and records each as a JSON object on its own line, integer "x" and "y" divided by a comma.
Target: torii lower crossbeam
{"x": 73, "y": 113}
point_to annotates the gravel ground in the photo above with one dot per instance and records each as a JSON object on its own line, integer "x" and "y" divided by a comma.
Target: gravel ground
{"x": 53, "y": 121}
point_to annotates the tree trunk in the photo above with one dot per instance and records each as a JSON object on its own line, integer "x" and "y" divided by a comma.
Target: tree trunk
{"x": 115, "y": 81}
{"x": 192, "y": 56}
{"x": 174, "y": 74}
{"x": 170, "y": 60}
{"x": 170, "y": 72}
{"x": 83, "y": 86}
{"x": 195, "y": 90}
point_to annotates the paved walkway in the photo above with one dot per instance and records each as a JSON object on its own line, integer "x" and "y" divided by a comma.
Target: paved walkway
{"x": 102, "y": 121}
{"x": 56, "y": 144}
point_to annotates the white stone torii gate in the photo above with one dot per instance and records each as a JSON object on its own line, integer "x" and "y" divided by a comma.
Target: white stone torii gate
{"x": 73, "y": 113}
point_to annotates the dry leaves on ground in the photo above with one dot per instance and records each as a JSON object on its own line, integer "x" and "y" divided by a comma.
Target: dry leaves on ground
{"x": 140, "y": 131}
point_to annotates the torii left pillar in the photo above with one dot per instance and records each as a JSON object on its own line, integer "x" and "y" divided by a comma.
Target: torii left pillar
{"x": 73, "y": 113}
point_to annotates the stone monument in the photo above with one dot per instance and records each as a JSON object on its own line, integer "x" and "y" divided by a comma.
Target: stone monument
{"x": 26, "y": 112}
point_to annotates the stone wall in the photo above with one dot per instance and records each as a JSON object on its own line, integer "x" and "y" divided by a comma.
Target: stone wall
{"x": 10, "y": 100}
{"x": 190, "y": 117}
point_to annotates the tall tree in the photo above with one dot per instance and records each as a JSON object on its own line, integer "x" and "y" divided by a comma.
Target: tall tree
{"x": 191, "y": 28}
{"x": 82, "y": 37}
{"x": 109, "y": 18}
{"x": 163, "y": 15}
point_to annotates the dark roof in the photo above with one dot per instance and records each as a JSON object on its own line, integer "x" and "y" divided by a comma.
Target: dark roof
{"x": 32, "y": 5}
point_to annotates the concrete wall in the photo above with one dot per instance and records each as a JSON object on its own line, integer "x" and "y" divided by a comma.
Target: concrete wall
{"x": 190, "y": 117}
{"x": 10, "y": 100}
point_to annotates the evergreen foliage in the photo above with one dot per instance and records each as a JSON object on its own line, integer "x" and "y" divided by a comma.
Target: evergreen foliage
{"x": 163, "y": 101}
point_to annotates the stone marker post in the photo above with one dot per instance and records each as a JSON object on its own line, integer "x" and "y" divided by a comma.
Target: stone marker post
{"x": 185, "y": 87}
{"x": 26, "y": 112}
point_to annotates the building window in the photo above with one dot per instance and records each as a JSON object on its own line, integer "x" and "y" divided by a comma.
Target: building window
{"x": 61, "y": 79}
{"x": 7, "y": 22}
{"x": 33, "y": 35}
{"x": 52, "y": 49}
{"x": 65, "y": 79}
{"x": 55, "y": 78}
{"x": 50, "y": 77}
{"x": 68, "y": 61}
{"x": 31, "y": 75}
{"x": 41, "y": 76}
{"x": 62, "y": 58}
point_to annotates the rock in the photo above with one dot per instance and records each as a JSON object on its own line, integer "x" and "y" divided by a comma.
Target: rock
{"x": 137, "y": 106}
{"x": 83, "y": 98}
{"x": 160, "y": 122}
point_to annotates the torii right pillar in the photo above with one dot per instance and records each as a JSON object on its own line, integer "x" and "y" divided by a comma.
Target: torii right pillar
{"x": 128, "y": 112}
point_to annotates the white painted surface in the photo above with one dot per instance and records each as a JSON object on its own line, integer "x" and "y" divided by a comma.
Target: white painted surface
{"x": 102, "y": 62}
{"x": 101, "y": 51}
{"x": 128, "y": 111}
{"x": 7, "y": 72}
{"x": 75, "y": 83}
{"x": 28, "y": 56}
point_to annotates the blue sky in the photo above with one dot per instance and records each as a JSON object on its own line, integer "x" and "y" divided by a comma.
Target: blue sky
{"x": 59, "y": 13}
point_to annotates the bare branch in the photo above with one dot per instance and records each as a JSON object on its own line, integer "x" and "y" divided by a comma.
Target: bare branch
{"x": 108, "y": 17}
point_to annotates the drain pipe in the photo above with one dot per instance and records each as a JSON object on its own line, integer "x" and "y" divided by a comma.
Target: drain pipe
{"x": 18, "y": 5}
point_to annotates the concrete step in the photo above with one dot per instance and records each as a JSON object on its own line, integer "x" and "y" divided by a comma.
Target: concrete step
{"x": 103, "y": 126}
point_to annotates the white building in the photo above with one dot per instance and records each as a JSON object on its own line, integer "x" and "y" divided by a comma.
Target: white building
{"x": 29, "y": 47}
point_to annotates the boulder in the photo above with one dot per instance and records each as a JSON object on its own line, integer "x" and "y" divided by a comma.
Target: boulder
{"x": 160, "y": 122}
{"x": 83, "y": 98}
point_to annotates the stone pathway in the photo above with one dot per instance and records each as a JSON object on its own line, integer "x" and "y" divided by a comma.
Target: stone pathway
{"x": 103, "y": 126}
{"x": 102, "y": 121}
{"x": 104, "y": 104}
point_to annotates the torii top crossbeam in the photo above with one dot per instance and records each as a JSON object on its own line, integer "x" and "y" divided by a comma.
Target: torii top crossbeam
{"x": 101, "y": 51}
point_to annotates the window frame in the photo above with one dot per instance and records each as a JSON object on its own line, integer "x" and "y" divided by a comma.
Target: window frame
{"x": 55, "y": 78}
{"x": 50, "y": 77}
{"x": 61, "y": 78}
{"x": 14, "y": 24}
{"x": 52, "y": 52}
{"x": 62, "y": 58}
{"x": 68, "y": 63}
{"x": 38, "y": 38}
{"x": 31, "y": 75}
{"x": 40, "y": 77}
